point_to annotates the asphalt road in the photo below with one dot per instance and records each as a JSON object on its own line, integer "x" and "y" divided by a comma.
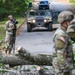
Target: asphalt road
{"x": 36, "y": 42}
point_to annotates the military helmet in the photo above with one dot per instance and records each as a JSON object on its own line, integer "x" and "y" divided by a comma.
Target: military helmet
{"x": 65, "y": 16}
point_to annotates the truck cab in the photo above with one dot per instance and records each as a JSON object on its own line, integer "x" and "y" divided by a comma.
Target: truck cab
{"x": 39, "y": 18}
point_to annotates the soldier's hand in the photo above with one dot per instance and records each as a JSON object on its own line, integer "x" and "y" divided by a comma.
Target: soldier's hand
{"x": 12, "y": 27}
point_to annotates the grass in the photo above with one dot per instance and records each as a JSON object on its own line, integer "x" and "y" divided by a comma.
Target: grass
{"x": 2, "y": 26}
{"x": 71, "y": 1}
{"x": 73, "y": 4}
{"x": 20, "y": 20}
{"x": 2, "y": 32}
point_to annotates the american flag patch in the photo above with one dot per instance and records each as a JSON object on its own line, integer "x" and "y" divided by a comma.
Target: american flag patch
{"x": 62, "y": 39}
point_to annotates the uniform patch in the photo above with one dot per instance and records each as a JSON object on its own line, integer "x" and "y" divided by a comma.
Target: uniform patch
{"x": 62, "y": 38}
{"x": 60, "y": 44}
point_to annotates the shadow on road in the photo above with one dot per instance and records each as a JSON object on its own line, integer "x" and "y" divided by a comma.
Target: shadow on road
{"x": 43, "y": 30}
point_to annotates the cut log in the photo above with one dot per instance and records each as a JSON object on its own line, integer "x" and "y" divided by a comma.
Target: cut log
{"x": 39, "y": 59}
{"x": 25, "y": 58}
{"x": 13, "y": 60}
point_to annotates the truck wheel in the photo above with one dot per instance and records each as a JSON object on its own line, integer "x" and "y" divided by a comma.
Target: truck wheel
{"x": 29, "y": 28}
{"x": 50, "y": 27}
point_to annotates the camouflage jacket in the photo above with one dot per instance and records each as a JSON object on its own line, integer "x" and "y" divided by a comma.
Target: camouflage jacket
{"x": 71, "y": 30}
{"x": 63, "y": 48}
{"x": 9, "y": 25}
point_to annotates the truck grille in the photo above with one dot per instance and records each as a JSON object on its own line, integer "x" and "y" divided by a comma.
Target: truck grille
{"x": 39, "y": 20}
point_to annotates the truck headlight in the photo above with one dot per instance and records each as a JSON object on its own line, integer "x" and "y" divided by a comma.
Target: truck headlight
{"x": 28, "y": 19}
{"x": 33, "y": 21}
{"x": 49, "y": 19}
{"x": 45, "y": 20}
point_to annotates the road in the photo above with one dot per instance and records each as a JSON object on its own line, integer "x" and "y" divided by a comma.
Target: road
{"x": 38, "y": 42}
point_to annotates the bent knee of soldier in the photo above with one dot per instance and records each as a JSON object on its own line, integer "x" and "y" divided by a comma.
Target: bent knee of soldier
{"x": 55, "y": 62}
{"x": 56, "y": 65}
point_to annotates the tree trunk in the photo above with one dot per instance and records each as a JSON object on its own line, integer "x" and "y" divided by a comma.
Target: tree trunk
{"x": 13, "y": 60}
{"x": 38, "y": 59}
{"x": 25, "y": 58}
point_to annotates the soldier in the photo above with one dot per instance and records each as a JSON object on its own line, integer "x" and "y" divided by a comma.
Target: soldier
{"x": 14, "y": 34}
{"x": 9, "y": 34}
{"x": 63, "y": 61}
{"x": 71, "y": 30}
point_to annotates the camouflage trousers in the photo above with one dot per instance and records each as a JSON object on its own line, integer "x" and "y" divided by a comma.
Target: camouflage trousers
{"x": 59, "y": 68}
{"x": 9, "y": 42}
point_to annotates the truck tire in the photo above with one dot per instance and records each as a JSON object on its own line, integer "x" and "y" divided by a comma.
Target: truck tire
{"x": 50, "y": 27}
{"x": 29, "y": 28}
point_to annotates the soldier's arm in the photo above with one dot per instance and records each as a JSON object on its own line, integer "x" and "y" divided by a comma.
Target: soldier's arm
{"x": 7, "y": 27}
{"x": 61, "y": 44}
{"x": 71, "y": 31}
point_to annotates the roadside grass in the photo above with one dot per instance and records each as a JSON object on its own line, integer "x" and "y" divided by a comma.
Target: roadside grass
{"x": 2, "y": 33}
{"x": 2, "y": 26}
{"x": 73, "y": 4}
{"x": 20, "y": 21}
{"x": 71, "y": 1}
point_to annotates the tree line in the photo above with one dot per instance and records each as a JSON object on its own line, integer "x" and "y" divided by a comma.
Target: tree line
{"x": 15, "y": 7}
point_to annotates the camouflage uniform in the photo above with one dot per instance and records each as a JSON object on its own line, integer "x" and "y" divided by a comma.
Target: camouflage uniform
{"x": 71, "y": 30}
{"x": 63, "y": 61}
{"x": 64, "y": 51}
{"x": 9, "y": 35}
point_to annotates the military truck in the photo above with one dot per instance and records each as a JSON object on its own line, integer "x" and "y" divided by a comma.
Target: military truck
{"x": 44, "y": 5}
{"x": 39, "y": 18}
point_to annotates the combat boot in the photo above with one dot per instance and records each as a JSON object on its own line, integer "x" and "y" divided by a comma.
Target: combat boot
{"x": 9, "y": 52}
{"x": 5, "y": 51}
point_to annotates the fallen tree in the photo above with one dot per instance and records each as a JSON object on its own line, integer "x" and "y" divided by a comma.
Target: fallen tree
{"x": 25, "y": 58}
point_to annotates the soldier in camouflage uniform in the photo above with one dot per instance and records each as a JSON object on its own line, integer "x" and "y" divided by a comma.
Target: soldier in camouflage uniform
{"x": 14, "y": 34}
{"x": 9, "y": 34}
{"x": 71, "y": 30}
{"x": 63, "y": 61}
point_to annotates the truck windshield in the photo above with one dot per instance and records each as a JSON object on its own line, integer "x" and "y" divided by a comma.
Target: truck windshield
{"x": 45, "y": 13}
{"x": 42, "y": 13}
{"x": 32, "y": 14}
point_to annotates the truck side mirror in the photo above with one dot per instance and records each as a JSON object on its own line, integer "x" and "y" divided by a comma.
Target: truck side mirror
{"x": 30, "y": 4}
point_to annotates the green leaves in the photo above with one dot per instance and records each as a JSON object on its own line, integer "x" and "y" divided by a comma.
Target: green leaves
{"x": 3, "y": 71}
{"x": 46, "y": 68}
{"x": 4, "y": 1}
{"x": 13, "y": 7}
{"x": 73, "y": 42}
{"x": 0, "y": 59}
{"x": 5, "y": 47}
{"x": 72, "y": 1}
